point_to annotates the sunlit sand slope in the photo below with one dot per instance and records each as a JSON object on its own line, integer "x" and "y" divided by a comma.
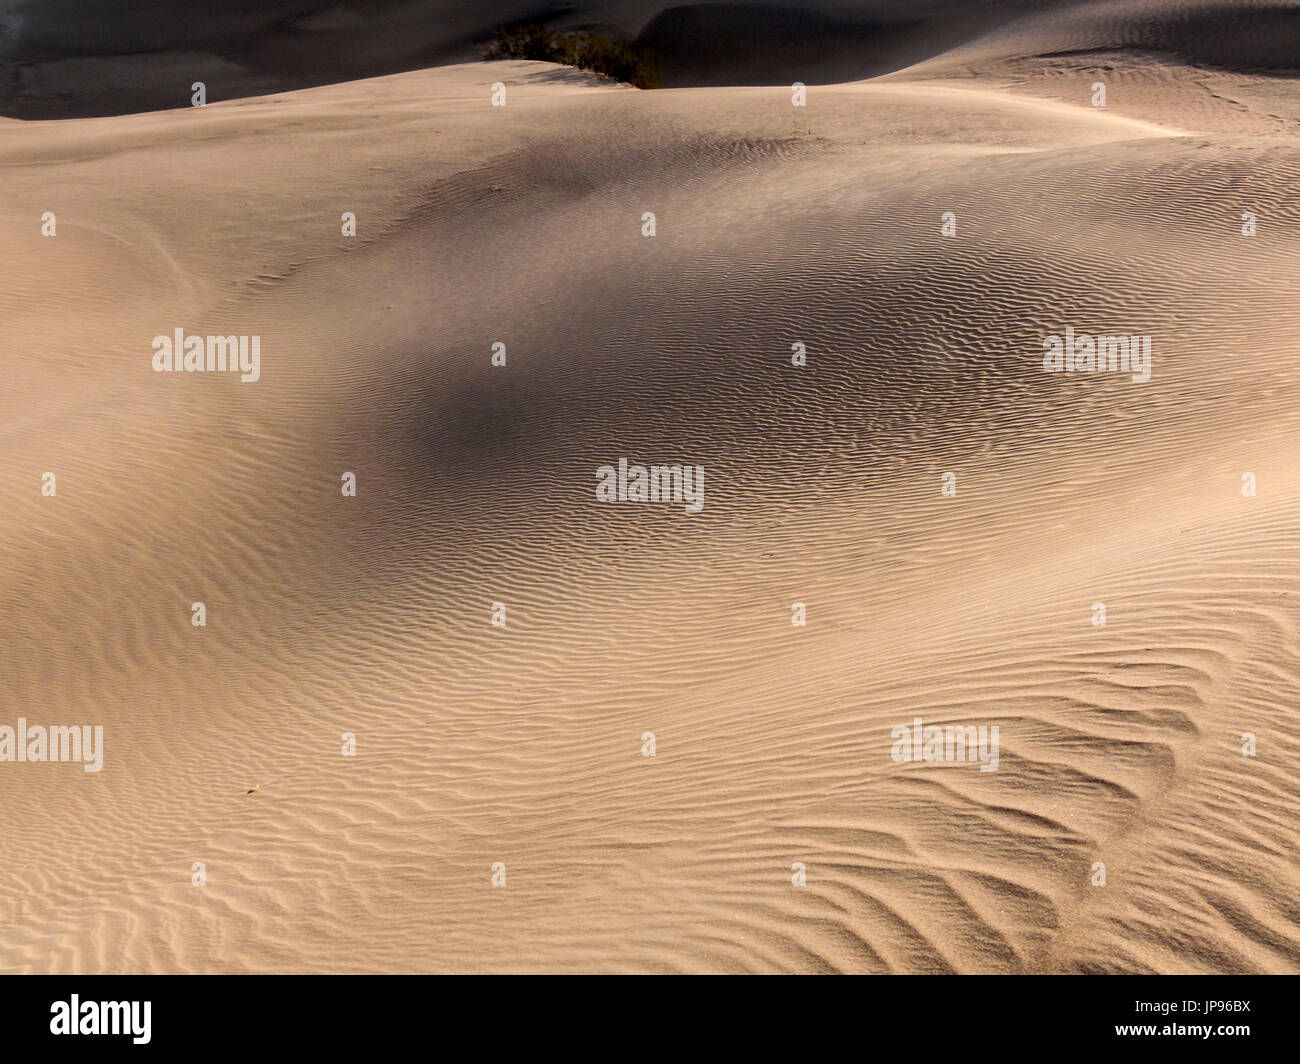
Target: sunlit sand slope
{"x": 824, "y": 226}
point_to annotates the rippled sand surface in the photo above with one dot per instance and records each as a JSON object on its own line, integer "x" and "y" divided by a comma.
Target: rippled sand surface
{"x": 524, "y": 745}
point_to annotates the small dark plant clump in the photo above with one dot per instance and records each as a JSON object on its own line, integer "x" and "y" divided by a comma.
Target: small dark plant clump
{"x": 615, "y": 58}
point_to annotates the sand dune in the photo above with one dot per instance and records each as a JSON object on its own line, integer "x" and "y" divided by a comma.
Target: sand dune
{"x": 522, "y": 745}
{"x": 59, "y": 61}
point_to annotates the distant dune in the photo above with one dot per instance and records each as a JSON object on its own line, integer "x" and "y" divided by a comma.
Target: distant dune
{"x": 918, "y": 235}
{"x": 59, "y": 60}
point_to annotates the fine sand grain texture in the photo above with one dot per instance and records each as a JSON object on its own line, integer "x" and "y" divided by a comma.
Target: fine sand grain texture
{"x": 775, "y": 226}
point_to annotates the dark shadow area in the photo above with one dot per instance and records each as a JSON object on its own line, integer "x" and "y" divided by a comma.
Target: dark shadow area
{"x": 88, "y": 58}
